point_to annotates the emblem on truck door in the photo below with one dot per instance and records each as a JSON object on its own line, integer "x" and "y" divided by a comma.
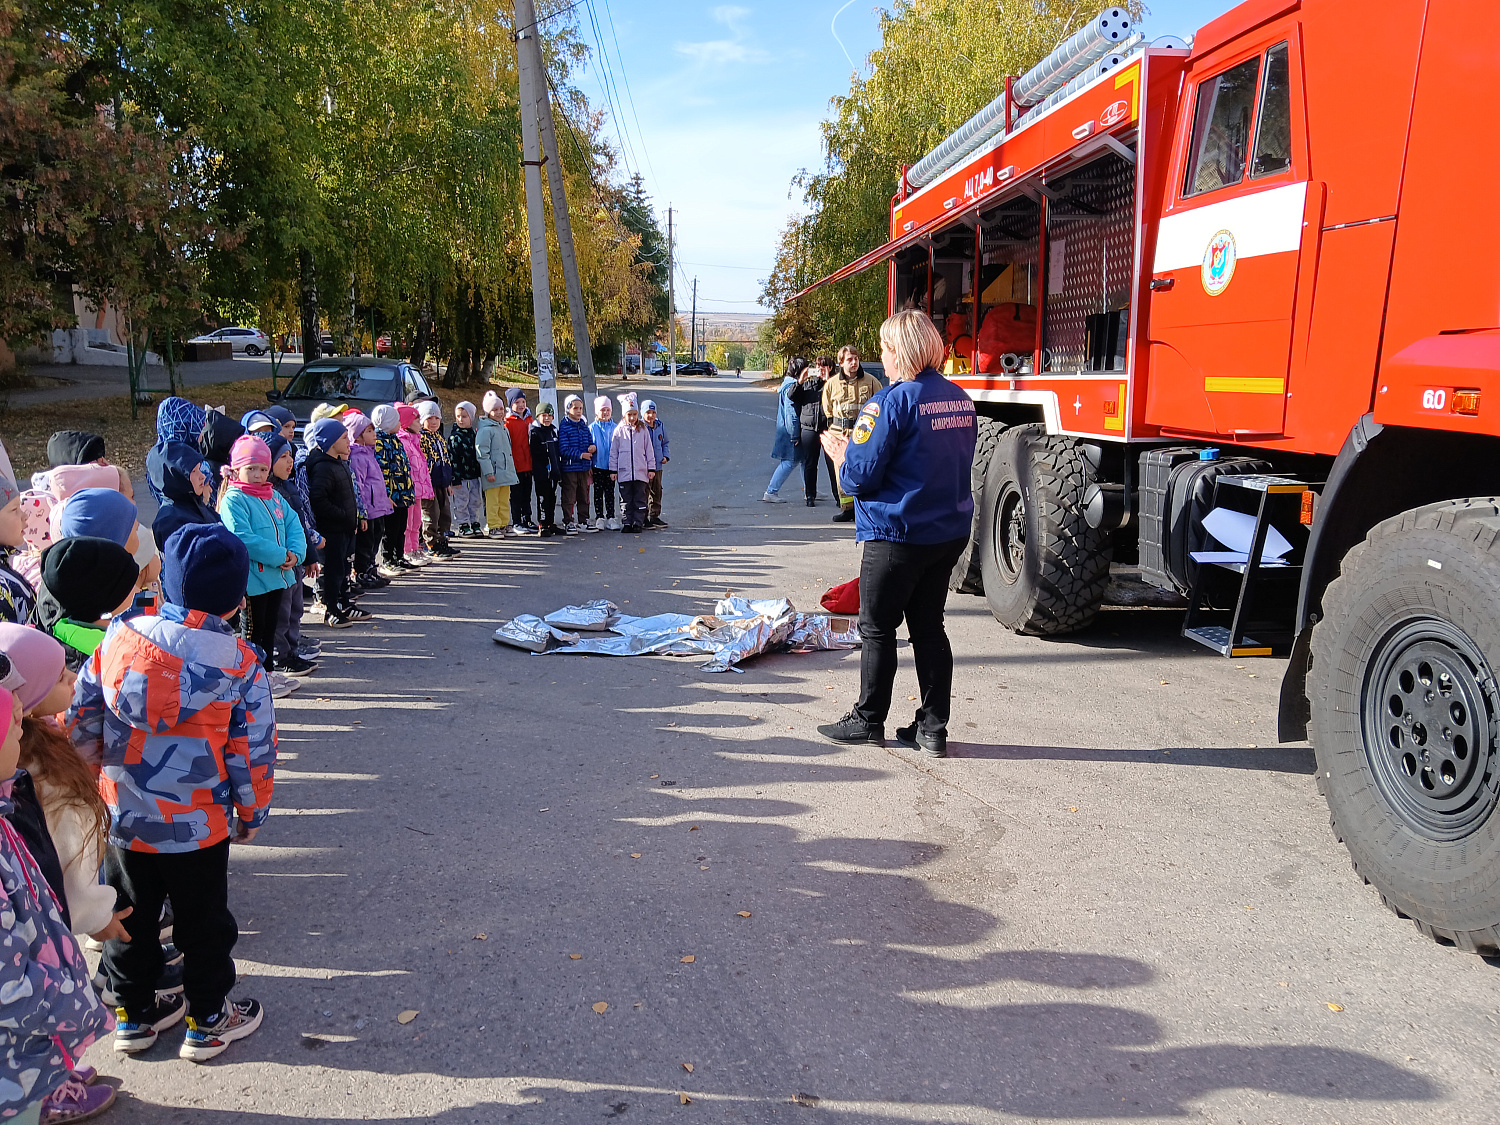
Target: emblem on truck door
{"x": 1218, "y": 263}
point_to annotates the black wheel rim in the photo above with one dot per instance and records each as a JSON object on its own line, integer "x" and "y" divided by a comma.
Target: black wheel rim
{"x": 1010, "y": 532}
{"x": 1428, "y": 716}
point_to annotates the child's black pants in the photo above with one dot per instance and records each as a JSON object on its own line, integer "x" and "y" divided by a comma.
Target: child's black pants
{"x": 204, "y": 930}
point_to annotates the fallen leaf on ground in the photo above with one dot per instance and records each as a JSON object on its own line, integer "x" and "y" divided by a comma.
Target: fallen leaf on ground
{"x": 688, "y": 1067}
{"x": 683, "y": 1099}
{"x": 703, "y": 867}
{"x": 911, "y": 697}
{"x": 688, "y": 960}
{"x": 805, "y": 1099}
{"x": 1072, "y": 808}
{"x": 601, "y": 1007}
{"x": 1335, "y": 1007}
{"x": 635, "y": 855}
{"x": 547, "y": 809}
{"x": 576, "y": 956}
{"x": 655, "y": 775}
{"x": 742, "y": 914}
{"x": 481, "y": 937}
{"x": 406, "y": 1016}
{"x": 694, "y": 828}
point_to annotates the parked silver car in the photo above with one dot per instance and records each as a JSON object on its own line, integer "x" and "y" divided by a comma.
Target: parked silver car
{"x": 251, "y": 341}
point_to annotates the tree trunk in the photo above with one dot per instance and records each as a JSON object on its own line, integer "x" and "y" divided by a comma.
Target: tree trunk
{"x": 311, "y": 336}
{"x": 423, "y": 339}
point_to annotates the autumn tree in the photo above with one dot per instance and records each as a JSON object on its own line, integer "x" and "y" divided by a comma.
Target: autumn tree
{"x": 939, "y": 62}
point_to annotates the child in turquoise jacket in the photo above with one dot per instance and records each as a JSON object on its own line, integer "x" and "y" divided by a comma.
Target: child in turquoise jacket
{"x": 271, "y": 532}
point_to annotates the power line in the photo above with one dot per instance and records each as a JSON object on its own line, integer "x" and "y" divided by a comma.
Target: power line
{"x": 606, "y": 84}
{"x": 725, "y": 266}
{"x": 625, "y": 73}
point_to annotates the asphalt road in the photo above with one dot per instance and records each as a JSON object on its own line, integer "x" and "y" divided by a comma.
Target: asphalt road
{"x": 1119, "y": 900}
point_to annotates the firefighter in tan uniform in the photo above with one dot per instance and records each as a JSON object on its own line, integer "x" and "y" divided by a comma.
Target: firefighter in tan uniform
{"x": 843, "y": 396}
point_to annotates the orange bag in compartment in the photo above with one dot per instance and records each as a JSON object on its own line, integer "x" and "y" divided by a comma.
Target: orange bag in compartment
{"x": 1010, "y": 327}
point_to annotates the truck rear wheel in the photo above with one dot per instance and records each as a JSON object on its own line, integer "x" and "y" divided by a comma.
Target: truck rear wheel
{"x": 968, "y": 577}
{"x": 1044, "y": 567}
{"x": 1406, "y": 714}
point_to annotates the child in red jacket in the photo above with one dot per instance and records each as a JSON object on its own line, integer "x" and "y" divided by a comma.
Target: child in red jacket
{"x": 518, "y": 424}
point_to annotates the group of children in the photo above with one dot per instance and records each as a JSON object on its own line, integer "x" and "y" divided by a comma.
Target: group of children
{"x": 510, "y": 458}
{"x": 137, "y": 739}
{"x": 138, "y": 667}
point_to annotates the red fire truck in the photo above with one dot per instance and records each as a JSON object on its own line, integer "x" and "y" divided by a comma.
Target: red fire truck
{"x": 1231, "y": 315}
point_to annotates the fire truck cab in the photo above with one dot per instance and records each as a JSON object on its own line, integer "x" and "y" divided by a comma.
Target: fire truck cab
{"x": 1231, "y": 315}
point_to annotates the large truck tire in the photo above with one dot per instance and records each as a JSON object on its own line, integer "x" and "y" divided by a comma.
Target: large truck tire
{"x": 1044, "y": 568}
{"x": 968, "y": 577}
{"x": 1406, "y": 712}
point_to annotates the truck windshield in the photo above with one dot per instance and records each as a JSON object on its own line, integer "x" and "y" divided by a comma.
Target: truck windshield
{"x": 1221, "y": 129}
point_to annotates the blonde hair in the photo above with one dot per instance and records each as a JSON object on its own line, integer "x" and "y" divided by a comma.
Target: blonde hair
{"x": 914, "y": 343}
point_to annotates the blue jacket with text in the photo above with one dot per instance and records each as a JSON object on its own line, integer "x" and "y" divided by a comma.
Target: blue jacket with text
{"x": 908, "y": 461}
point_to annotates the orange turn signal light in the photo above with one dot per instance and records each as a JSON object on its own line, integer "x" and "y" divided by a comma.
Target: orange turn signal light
{"x": 1466, "y": 402}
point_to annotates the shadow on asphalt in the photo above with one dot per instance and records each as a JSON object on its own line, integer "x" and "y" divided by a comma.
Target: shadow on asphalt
{"x": 472, "y": 856}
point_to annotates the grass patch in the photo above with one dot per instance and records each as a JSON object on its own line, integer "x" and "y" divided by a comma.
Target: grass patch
{"x": 25, "y": 429}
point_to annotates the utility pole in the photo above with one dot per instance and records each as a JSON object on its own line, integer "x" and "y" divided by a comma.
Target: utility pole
{"x": 693, "y": 352}
{"x": 536, "y": 229}
{"x": 671, "y": 303}
{"x": 564, "y": 225}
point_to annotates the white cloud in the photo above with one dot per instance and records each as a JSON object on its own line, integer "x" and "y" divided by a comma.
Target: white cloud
{"x": 719, "y": 52}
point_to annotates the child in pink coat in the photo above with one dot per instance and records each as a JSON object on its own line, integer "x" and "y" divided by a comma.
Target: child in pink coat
{"x": 421, "y": 478}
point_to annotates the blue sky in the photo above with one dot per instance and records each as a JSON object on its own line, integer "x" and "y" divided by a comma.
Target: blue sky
{"x": 718, "y": 106}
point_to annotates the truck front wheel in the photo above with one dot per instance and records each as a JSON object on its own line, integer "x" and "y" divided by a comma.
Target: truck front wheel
{"x": 1406, "y": 713}
{"x": 1044, "y": 567}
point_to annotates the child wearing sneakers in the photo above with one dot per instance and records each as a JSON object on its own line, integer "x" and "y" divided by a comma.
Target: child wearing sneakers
{"x": 604, "y": 488}
{"x": 518, "y": 425}
{"x": 51, "y": 1011}
{"x": 331, "y": 491}
{"x": 576, "y": 444}
{"x": 374, "y": 500}
{"x": 468, "y": 496}
{"x": 546, "y": 468}
{"x": 439, "y": 510}
{"x": 632, "y": 462}
{"x": 166, "y": 708}
{"x": 497, "y": 466}
{"x": 658, "y": 431}
{"x": 411, "y": 442}
{"x": 398, "y": 485}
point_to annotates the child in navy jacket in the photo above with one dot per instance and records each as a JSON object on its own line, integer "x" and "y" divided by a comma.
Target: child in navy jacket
{"x": 658, "y": 431}
{"x": 576, "y": 441}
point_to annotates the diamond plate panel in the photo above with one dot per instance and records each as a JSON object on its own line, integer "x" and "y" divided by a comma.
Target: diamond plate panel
{"x": 1093, "y": 217}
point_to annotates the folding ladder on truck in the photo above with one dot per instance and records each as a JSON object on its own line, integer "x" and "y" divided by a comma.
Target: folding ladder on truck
{"x": 1244, "y": 600}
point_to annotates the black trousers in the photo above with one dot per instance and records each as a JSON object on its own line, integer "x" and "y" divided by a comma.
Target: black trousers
{"x": 393, "y": 538}
{"x": 604, "y": 495}
{"x": 633, "y": 503}
{"x": 367, "y": 546}
{"x": 265, "y": 609}
{"x": 812, "y": 453}
{"x": 520, "y": 499}
{"x": 896, "y": 581}
{"x": 546, "y": 498}
{"x": 197, "y": 882}
{"x": 336, "y": 569}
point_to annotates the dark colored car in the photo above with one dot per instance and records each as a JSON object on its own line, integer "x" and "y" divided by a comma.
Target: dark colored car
{"x": 364, "y": 382}
{"x": 699, "y": 367}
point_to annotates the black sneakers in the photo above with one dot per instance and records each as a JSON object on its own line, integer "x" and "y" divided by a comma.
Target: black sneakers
{"x": 133, "y": 1035}
{"x": 913, "y": 738}
{"x": 851, "y": 728}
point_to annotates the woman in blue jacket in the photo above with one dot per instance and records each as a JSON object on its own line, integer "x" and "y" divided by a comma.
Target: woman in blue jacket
{"x": 787, "y": 447}
{"x": 907, "y": 465}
